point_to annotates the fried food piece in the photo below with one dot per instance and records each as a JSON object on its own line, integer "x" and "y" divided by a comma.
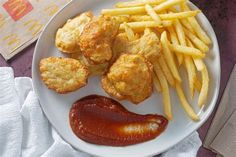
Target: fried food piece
{"x": 123, "y": 45}
{"x": 63, "y": 75}
{"x": 110, "y": 89}
{"x": 148, "y": 45}
{"x": 94, "y": 69}
{"x": 130, "y": 77}
{"x": 97, "y": 38}
{"x": 67, "y": 36}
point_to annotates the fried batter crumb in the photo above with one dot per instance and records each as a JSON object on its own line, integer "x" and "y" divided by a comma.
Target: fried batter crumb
{"x": 63, "y": 75}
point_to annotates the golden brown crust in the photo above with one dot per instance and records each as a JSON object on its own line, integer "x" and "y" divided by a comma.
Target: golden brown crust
{"x": 97, "y": 38}
{"x": 148, "y": 46}
{"x": 110, "y": 89}
{"x": 66, "y": 41}
{"x": 63, "y": 75}
{"x": 130, "y": 77}
{"x": 94, "y": 69}
{"x": 67, "y": 36}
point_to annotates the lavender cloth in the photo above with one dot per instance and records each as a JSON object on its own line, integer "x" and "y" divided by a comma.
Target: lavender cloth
{"x": 222, "y": 15}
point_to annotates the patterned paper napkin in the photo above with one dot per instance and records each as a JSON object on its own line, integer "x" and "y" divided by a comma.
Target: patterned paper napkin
{"x": 21, "y": 21}
{"x": 221, "y": 136}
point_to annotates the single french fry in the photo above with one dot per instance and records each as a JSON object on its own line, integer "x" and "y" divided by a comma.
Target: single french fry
{"x": 181, "y": 37}
{"x": 124, "y": 11}
{"x": 137, "y": 3}
{"x": 150, "y": 11}
{"x": 156, "y": 82}
{"x": 180, "y": 15}
{"x": 141, "y": 25}
{"x": 165, "y": 92}
{"x": 129, "y": 32}
{"x": 190, "y": 51}
{"x": 197, "y": 85}
{"x": 166, "y": 71}
{"x": 169, "y": 56}
{"x": 197, "y": 61}
{"x": 205, "y": 87}
{"x": 174, "y": 40}
{"x": 167, "y": 4}
{"x": 188, "y": 109}
{"x": 138, "y": 18}
{"x": 192, "y": 75}
{"x": 199, "y": 31}
{"x": 196, "y": 41}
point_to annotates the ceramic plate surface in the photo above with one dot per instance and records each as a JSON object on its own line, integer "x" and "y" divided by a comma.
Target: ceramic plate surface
{"x": 56, "y": 107}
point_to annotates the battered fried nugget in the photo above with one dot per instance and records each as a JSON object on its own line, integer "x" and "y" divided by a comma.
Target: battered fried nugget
{"x": 94, "y": 69}
{"x": 110, "y": 89}
{"x": 63, "y": 74}
{"x": 123, "y": 45}
{"x": 130, "y": 77}
{"x": 67, "y": 36}
{"x": 97, "y": 38}
{"x": 148, "y": 45}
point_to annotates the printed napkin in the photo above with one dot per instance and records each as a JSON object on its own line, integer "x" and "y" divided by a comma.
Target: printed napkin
{"x": 26, "y": 132}
{"x": 221, "y": 136}
{"x": 21, "y": 21}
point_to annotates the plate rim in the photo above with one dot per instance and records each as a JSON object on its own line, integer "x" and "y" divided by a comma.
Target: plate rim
{"x": 201, "y": 122}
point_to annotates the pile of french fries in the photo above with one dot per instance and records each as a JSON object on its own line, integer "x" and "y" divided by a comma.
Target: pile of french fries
{"x": 184, "y": 44}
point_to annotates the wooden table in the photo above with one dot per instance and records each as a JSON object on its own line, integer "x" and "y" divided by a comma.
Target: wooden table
{"x": 222, "y": 15}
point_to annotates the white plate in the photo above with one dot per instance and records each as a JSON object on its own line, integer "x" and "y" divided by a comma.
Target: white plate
{"x": 56, "y": 107}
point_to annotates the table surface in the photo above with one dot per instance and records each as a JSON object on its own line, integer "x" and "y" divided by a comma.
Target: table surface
{"x": 221, "y": 14}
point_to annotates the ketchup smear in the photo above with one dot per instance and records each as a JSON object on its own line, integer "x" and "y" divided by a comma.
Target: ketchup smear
{"x": 104, "y": 121}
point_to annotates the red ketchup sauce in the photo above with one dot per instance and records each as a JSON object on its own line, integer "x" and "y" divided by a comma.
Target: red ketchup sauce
{"x": 104, "y": 121}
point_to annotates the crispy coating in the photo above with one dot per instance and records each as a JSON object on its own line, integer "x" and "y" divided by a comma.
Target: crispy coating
{"x": 110, "y": 89}
{"x": 148, "y": 45}
{"x": 97, "y": 38}
{"x": 94, "y": 69}
{"x": 63, "y": 75}
{"x": 123, "y": 45}
{"x": 130, "y": 77}
{"x": 67, "y": 37}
